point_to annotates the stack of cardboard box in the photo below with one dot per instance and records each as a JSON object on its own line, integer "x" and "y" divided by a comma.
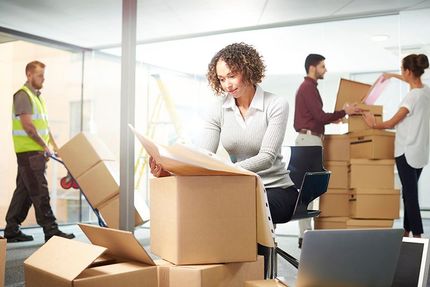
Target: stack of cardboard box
{"x": 95, "y": 169}
{"x": 204, "y": 229}
{"x": 361, "y": 190}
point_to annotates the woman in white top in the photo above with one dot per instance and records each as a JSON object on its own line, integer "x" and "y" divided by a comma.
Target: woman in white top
{"x": 412, "y": 137}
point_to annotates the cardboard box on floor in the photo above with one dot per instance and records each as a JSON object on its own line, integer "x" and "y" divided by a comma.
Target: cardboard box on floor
{"x": 335, "y": 202}
{"x": 203, "y": 219}
{"x": 375, "y": 174}
{"x": 185, "y": 161}
{"x": 220, "y": 275}
{"x": 369, "y": 223}
{"x": 82, "y": 152}
{"x": 375, "y": 204}
{"x": 372, "y": 144}
{"x": 63, "y": 262}
{"x": 331, "y": 222}
{"x": 340, "y": 174}
{"x": 2, "y": 260}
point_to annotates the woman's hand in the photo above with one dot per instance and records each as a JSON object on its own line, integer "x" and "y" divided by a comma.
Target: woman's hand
{"x": 369, "y": 119}
{"x": 156, "y": 169}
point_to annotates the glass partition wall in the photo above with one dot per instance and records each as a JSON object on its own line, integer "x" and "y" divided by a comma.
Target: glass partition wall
{"x": 82, "y": 88}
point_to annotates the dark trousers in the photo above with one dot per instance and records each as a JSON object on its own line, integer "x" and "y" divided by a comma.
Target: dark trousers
{"x": 409, "y": 177}
{"x": 31, "y": 188}
{"x": 281, "y": 204}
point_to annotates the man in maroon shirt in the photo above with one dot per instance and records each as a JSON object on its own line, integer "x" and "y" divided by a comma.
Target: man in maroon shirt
{"x": 309, "y": 116}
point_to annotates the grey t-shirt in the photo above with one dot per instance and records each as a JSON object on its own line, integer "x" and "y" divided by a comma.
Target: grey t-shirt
{"x": 22, "y": 103}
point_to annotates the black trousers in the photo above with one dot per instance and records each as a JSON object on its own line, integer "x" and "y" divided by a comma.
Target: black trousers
{"x": 281, "y": 204}
{"x": 31, "y": 188}
{"x": 409, "y": 177}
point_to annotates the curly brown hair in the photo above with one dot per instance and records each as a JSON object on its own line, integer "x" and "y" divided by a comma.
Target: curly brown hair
{"x": 240, "y": 58}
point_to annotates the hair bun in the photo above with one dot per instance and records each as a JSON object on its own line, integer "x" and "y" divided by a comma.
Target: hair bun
{"x": 422, "y": 61}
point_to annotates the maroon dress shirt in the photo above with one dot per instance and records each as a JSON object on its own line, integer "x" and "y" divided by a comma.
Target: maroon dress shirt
{"x": 309, "y": 112}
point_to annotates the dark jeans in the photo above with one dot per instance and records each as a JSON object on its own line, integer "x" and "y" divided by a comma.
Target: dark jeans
{"x": 31, "y": 188}
{"x": 409, "y": 177}
{"x": 281, "y": 204}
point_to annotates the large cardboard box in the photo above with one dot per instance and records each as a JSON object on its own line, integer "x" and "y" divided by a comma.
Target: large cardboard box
{"x": 335, "y": 202}
{"x": 375, "y": 174}
{"x": 82, "y": 152}
{"x": 369, "y": 223}
{"x": 203, "y": 219}
{"x": 336, "y": 148}
{"x": 356, "y": 123}
{"x": 264, "y": 283}
{"x": 372, "y": 144}
{"x": 62, "y": 262}
{"x": 330, "y": 222}
{"x": 340, "y": 174}
{"x": 100, "y": 183}
{"x": 110, "y": 213}
{"x": 2, "y": 260}
{"x": 220, "y": 275}
{"x": 375, "y": 204}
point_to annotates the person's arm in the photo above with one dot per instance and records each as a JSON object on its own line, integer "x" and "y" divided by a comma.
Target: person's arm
{"x": 31, "y": 131}
{"x": 370, "y": 120}
{"x": 272, "y": 139}
{"x": 52, "y": 142}
{"x": 392, "y": 75}
{"x": 209, "y": 135}
{"x": 310, "y": 98}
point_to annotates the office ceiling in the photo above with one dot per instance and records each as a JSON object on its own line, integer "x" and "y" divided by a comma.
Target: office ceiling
{"x": 281, "y": 30}
{"x": 97, "y": 23}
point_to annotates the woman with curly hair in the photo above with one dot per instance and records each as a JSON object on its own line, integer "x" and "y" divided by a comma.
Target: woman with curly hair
{"x": 250, "y": 123}
{"x": 411, "y": 147}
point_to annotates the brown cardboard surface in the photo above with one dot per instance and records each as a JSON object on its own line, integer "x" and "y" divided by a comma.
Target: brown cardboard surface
{"x": 340, "y": 174}
{"x": 119, "y": 243}
{"x": 372, "y": 144}
{"x": 374, "y": 109}
{"x": 64, "y": 262}
{"x": 220, "y": 275}
{"x": 183, "y": 160}
{"x": 82, "y": 152}
{"x": 385, "y": 205}
{"x": 374, "y": 174}
{"x": 100, "y": 183}
{"x": 369, "y": 223}
{"x": 203, "y": 219}
{"x": 264, "y": 283}
{"x": 334, "y": 203}
{"x": 110, "y": 213}
{"x": 356, "y": 123}
{"x": 336, "y": 148}
{"x": 2, "y": 260}
{"x": 350, "y": 92}
{"x": 331, "y": 222}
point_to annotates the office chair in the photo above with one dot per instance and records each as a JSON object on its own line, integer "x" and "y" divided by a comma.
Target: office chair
{"x": 311, "y": 179}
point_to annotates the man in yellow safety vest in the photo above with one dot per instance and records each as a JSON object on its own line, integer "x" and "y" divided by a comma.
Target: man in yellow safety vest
{"x": 31, "y": 137}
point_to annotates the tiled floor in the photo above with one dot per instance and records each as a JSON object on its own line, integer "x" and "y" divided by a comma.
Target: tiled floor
{"x": 18, "y": 252}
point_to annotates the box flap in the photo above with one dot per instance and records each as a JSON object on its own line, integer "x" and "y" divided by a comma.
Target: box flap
{"x": 119, "y": 243}
{"x": 64, "y": 258}
{"x": 371, "y": 132}
{"x": 350, "y": 92}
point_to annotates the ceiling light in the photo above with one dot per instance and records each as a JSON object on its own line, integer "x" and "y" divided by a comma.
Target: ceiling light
{"x": 380, "y": 37}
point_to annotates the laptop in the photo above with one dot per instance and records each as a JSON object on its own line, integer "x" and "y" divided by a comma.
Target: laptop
{"x": 349, "y": 257}
{"x": 413, "y": 264}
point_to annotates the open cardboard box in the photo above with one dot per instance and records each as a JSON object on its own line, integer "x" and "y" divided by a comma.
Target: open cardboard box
{"x": 355, "y": 92}
{"x": 185, "y": 161}
{"x": 115, "y": 258}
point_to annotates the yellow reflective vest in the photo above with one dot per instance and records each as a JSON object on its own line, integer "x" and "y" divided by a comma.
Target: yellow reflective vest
{"x": 21, "y": 140}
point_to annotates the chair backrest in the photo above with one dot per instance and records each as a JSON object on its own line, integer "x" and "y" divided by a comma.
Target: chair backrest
{"x": 314, "y": 184}
{"x": 304, "y": 159}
